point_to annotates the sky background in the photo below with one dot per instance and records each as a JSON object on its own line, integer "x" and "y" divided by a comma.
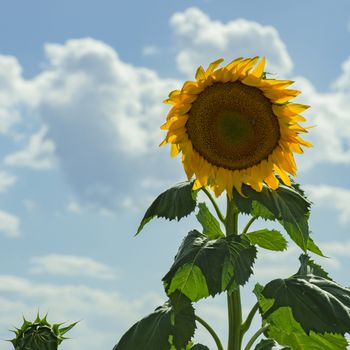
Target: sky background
{"x": 81, "y": 90}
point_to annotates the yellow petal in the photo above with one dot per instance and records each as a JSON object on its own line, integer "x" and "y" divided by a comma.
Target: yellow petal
{"x": 200, "y": 74}
{"x": 213, "y": 65}
{"x": 272, "y": 181}
{"x": 258, "y": 71}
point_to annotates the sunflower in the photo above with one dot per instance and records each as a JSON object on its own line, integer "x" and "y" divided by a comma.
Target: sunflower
{"x": 234, "y": 126}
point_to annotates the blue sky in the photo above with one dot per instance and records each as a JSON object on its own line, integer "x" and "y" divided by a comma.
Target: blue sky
{"x": 81, "y": 90}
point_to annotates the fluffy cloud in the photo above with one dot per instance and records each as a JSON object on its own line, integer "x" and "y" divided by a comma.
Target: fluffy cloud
{"x": 6, "y": 181}
{"x": 202, "y": 40}
{"x": 103, "y": 116}
{"x": 331, "y": 197}
{"x": 104, "y": 315}
{"x": 70, "y": 265}
{"x": 9, "y": 224}
{"x": 15, "y": 93}
{"x": 38, "y": 154}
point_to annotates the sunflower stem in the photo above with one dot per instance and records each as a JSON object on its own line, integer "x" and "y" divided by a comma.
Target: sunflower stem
{"x": 246, "y": 324}
{"x": 211, "y": 331}
{"x": 216, "y": 207}
{"x": 233, "y": 297}
{"x": 245, "y": 230}
{"x": 256, "y": 336}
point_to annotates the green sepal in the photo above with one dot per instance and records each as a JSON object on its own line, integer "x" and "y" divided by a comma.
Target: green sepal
{"x": 39, "y": 335}
{"x": 286, "y": 204}
{"x": 267, "y": 239}
{"x": 211, "y": 227}
{"x": 175, "y": 203}
{"x": 270, "y": 344}
{"x": 204, "y": 266}
{"x": 169, "y": 326}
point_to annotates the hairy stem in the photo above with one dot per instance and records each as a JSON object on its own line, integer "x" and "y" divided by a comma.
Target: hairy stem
{"x": 211, "y": 331}
{"x": 245, "y": 230}
{"x": 234, "y": 297}
{"x": 248, "y": 321}
{"x": 213, "y": 202}
{"x": 256, "y": 336}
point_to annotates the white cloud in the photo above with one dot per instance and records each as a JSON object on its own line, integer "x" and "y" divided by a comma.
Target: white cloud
{"x": 15, "y": 92}
{"x": 150, "y": 51}
{"x": 9, "y": 224}
{"x": 104, "y": 316}
{"x": 70, "y": 265}
{"x": 343, "y": 82}
{"x": 74, "y": 207}
{"x": 331, "y": 197}
{"x": 38, "y": 154}
{"x": 202, "y": 40}
{"x": 6, "y": 181}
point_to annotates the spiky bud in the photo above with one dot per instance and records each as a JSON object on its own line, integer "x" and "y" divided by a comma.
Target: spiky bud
{"x": 39, "y": 335}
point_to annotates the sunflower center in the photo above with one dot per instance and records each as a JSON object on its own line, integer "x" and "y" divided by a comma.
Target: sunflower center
{"x": 232, "y": 125}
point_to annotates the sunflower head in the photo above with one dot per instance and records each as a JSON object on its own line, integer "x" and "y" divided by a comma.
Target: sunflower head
{"x": 233, "y": 126}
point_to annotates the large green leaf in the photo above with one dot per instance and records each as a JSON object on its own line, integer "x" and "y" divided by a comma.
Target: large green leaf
{"x": 211, "y": 227}
{"x": 204, "y": 266}
{"x": 318, "y": 304}
{"x": 175, "y": 203}
{"x": 174, "y": 320}
{"x": 269, "y": 344}
{"x": 268, "y": 239}
{"x": 284, "y": 328}
{"x": 285, "y": 204}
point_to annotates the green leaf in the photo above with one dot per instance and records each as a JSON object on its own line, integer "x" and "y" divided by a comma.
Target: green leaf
{"x": 190, "y": 281}
{"x": 199, "y": 347}
{"x": 285, "y": 204}
{"x": 204, "y": 267}
{"x": 173, "y": 320}
{"x": 312, "y": 247}
{"x": 268, "y": 239}
{"x": 270, "y": 344}
{"x": 174, "y": 203}
{"x": 316, "y": 303}
{"x": 286, "y": 330}
{"x": 309, "y": 267}
{"x": 211, "y": 227}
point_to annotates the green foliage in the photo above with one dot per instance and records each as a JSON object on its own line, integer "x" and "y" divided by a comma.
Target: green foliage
{"x": 269, "y": 344}
{"x": 307, "y": 310}
{"x": 204, "y": 266}
{"x": 288, "y": 205}
{"x": 268, "y": 239}
{"x": 175, "y": 203}
{"x": 309, "y": 267}
{"x": 39, "y": 335}
{"x": 199, "y": 347}
{"x": 211, "y": 227}
{"x": 171, "y": 325}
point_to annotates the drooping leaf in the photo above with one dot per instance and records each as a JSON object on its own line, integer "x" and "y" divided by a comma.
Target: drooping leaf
{"x": 204, "y": 266}
{"x": 317, "y": 304}
{"x": 270, "y": 344}
{"x": 287, "y": 331}
{"x": 211, "y": 227}
{"x": 175, "y": 322}
{"x": 268, "y": 239}
{"x": 175, "y": 203}
{"x": 309, "y": 267}
{"x": 285, "y": 204}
